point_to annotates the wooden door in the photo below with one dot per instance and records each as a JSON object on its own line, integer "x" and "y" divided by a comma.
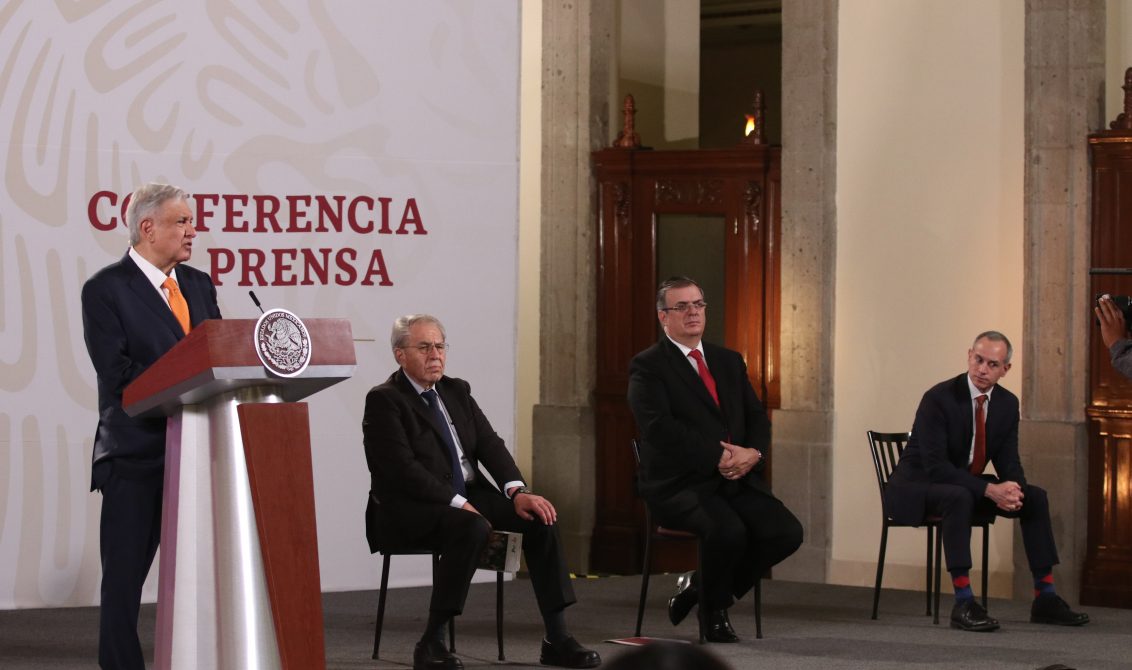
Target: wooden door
{"x": 1107, "y": 575}
{"x": 638, "y": 192}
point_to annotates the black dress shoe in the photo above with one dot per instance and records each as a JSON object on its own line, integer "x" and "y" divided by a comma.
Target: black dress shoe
{"x": 719, "y": 627}
{"x": 970, "y": 616}
{"x": 1050, "y": 608}
{"x": 433, "y": 655}
{"x": 568, "y": 654}
{"x": 686, "y": 596}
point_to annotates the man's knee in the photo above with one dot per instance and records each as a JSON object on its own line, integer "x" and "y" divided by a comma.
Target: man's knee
{"x": 795, "y": 534}
{"x": 955, "y": 500}
{"x": 731, "y": 537}
{"x": 1036, "y": 499}
{"x": 472, "y": 529}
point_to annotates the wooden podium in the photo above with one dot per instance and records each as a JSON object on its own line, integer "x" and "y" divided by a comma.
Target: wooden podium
{"x": 239, "y": 580}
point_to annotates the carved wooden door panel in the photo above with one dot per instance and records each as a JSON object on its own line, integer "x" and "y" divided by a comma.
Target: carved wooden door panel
{"x": 660, "y": 213}
{"x": 1107, "y": 575}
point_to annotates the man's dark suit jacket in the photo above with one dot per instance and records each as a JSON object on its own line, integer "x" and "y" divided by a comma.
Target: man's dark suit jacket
{"x": 681, "y": 426}
{"x": 410, "y": 468}
{"x": 127, "y": 327}
{"x": 938, "y": 450}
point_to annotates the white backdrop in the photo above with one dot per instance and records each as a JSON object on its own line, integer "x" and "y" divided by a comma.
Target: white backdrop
{"x": 412, "y": 104}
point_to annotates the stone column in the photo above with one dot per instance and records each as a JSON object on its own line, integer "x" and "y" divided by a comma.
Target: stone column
{"x": 803, "y": 428}
{"x": 578, "y": 52}
{"x": 1065, "y": 48}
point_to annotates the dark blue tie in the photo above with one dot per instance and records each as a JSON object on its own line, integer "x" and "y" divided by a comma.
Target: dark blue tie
{"x": 441, "y": 424}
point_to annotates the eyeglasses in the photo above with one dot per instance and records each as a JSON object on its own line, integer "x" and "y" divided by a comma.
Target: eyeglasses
{"x": 427, "y": 348}
{"x": 684, "y": 306}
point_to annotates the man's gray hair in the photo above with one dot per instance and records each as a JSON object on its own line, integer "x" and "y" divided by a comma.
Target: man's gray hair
{"x": 671, "y": 283}
{"x": 403, "y": 324}
{"x": 145, "y": 201}
{"x": 995, "y": 336}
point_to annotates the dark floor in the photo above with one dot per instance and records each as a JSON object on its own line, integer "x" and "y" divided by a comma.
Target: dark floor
{"x": 805, "y": 626}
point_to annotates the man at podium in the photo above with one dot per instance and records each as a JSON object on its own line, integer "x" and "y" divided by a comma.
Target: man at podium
{"x": 425, "y": 441}
{"x": 134, "y": 310}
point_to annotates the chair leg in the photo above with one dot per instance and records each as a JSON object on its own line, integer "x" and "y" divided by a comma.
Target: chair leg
{"x": 759, "y": 607}
{"x": 880, "y": 567}
{"x": 986, "y": 534}
{"x": 381, "y": 606}
{"x": 928, "y": 574}
{"x": 645, "y": 570}
{"x": 938, "y": 569}
{"x": 499, "y": 613}
{"x": 701, "y": 610}
{"x": 452, "y": 621}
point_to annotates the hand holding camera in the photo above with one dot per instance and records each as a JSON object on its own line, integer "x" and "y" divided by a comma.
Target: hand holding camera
{"x": 1113, "y": 316}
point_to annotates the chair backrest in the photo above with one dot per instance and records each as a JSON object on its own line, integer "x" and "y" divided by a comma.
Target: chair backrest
{"x": 886, "y": 448}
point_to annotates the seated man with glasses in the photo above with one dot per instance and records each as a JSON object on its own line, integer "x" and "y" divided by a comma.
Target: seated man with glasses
{"x": 426, "y": 441}
{"x": 704, "y": 439}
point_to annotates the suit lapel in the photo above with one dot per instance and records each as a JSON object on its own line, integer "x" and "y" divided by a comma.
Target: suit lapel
{"x": 460, "y": 421}
{"x": 141, "y": 287}
{"x": 994, "y": 420}
{"x": 420, "y": 406}
{"x": 196, "y": 310}
{"x": 716, "y": 365}
{"x": 966, "y": 413}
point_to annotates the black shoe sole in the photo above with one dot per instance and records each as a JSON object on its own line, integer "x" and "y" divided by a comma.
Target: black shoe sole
{"x": 984, "y": 628}
{"x": 558, "y": 664}
{"x": 1058, "y": 622}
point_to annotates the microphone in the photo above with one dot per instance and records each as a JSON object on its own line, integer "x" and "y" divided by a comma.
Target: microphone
{"x": 256, "y": 301}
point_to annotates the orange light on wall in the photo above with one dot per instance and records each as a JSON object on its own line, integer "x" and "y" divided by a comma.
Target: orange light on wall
{"x": 750, "y": 125}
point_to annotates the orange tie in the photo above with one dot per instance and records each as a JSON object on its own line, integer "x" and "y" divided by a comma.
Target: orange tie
{"x": 177, "y": 304}
{"x": 979, "y": 458}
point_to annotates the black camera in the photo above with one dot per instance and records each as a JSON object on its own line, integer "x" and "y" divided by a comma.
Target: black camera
{"x": 1123, "y": 303}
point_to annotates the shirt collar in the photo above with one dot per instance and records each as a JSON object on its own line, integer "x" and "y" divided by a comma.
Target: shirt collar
{"x": 687, "y": 350}
{"x": 975, "y": 392}
{"x": 154, "y": 275}
{"x": 417, "y": 387}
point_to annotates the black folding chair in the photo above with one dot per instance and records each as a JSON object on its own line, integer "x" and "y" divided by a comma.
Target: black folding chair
{"x": 392, "y": 546}
{"x": 886, "y": 449}
{"x": 654, "y": 532}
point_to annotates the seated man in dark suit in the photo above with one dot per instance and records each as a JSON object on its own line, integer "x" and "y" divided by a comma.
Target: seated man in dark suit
{"x": 134, "y": 310}
{"x": 704, "y": 440}
{"x": 963, "y": 424}
{"x": 426, "y": 441}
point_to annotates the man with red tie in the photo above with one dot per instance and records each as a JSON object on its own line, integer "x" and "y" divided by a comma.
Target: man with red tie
{"x": 135, "y": 310}
{"x": 704, "y": 439}
{"x": 962, "y": 425}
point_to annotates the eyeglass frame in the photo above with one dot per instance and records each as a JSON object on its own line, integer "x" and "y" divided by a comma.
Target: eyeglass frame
{"x": 424, "y": 348}
{"x": 683, "y": 307}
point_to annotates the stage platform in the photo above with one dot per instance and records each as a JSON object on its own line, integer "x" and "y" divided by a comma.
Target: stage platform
{"x": 805, "y": 626}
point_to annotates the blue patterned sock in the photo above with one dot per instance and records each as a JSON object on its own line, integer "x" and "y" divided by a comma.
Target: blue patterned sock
{"x": 962, "y": 583}
{"x": 1043, "y": 582}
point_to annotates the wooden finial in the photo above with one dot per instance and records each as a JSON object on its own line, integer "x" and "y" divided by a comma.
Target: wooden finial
{"x": 755, "y": 129}
{"x": 628, "y": 137}
{"x": 1124, "y": 119}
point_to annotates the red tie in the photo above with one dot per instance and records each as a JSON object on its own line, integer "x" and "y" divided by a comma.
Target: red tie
{"x": 705, "y": 374}
{"x": 979, "y": 458}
